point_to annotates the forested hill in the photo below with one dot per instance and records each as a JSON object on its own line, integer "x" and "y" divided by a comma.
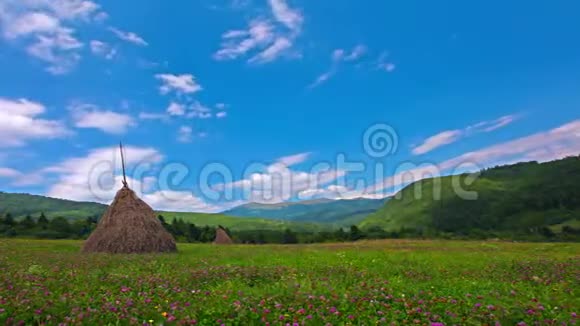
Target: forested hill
{"x": 512, "y": 198}
{"x": 25, "y": 204}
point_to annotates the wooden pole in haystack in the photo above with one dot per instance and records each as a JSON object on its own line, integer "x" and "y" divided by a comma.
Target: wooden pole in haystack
{"x": 129, "y": 226}
{"x": 123, "y": 164}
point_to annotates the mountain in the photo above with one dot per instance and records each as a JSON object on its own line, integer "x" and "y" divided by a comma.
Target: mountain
{"x": 511, "y": 198}
{"x": 337, "y": 212}
{"x": 20, "y": 205}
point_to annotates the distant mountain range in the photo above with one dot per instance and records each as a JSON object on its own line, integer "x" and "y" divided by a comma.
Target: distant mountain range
{"x": 336, "y": 212}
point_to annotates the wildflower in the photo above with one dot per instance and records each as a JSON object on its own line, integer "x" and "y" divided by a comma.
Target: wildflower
{"x": 437, "y": 324}
{"x": 150, "y": 321}
{"x": 164, "y": 314}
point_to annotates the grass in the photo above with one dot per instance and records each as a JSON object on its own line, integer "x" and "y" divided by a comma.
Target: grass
{"x": 238, "y": 223}
{"x": 363, "y": 283}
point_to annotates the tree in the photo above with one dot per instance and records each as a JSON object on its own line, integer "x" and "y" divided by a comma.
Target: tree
{"x": 9, "y": 220}
{"x": 42, "y": 221}
{"x": 289, "y": 237}
{"x": 27, "y": 223}
{"x": 355, "y": 233}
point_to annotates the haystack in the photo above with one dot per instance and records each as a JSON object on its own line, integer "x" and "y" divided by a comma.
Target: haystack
{"x": 222, "y": 237}
{"x": 129, "y": 226}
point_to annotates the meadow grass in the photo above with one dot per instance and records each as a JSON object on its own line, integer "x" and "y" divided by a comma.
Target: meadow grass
{"x": 363, "y": 283}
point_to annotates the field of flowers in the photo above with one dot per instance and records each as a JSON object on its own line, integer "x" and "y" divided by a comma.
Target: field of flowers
{"x": 365, "y": 283}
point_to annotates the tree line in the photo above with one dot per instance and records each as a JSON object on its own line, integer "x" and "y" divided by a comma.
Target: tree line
{"x": 42, "y": 227}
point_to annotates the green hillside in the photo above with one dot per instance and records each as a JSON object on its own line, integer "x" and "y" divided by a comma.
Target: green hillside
{"x": 20, "y": 205}
{"x": 510, "y": 198}
{"x": 23, "y": 204}
{"x": 238, "y": 223}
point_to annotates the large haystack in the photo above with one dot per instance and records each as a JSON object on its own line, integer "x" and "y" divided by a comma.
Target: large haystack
{"x": 129, "y": 226}
{"x": 222, "y": 237}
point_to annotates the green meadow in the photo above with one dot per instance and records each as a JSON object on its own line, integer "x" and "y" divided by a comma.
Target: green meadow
{"x": 387, "y": 282}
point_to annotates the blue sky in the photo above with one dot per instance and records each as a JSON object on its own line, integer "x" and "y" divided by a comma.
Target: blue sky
{"x": 285, "y": 83}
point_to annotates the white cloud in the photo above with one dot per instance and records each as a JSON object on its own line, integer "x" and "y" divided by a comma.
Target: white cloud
{"x": 152, "y": 116}
{"x": 59, "y": 50}
{"x": 438, "y": 140}
{"x": 19, "y": 123}
{"x": 337, "y": 192}
{"x": 91, "y": 116}
{"x": 237, "y": 43}
{"x": 221, "y": 115}
{"x": 280, "y": 45}
{"x": 9, "y": 173}
{"x": 46, "y": 29}
{"x": 178, "y": 201}
{"x": 337, "y": 57}
{"x": 356, "y": 53}
{"x": 294, "y": 159}
{"x": 268, "y": 40}
{"x": 291, "y": 18}
{"x": 451, "y": 136}
{"x": 176, "y": 109}
{"x": 178, "y": 83}
{"x": 549, "y": 145}
{"x": 103, "y": 50}
{"x": 277, "y": 183}
{"x": 384, "y": 64}
{"x": 185, "y": 134}
{"x": 97, "y": 176}
{"x": 321, "y": 79}
{"x": 129, "y": 37}
{"x": 197, "y": 110}
{"x": 31, "y": 23}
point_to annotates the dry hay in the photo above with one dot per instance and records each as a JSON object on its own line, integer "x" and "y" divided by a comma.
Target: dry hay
{"x": 129, "y": 226}
{"x": 222, "y": 237}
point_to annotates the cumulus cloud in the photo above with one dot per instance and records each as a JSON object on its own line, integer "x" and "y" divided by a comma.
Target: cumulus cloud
{"x": 129, "y": 37}
{"x": 46, "y": 27}
{"x": 221, "y": 115}
{"x": 97, "y": 175}
{"x": 181, "y": 84}
{"x": 451, "y": 136}
{"x": 91, "y": 116}
{"x": 19, "y": 123}
{"x": 276, "y": 182}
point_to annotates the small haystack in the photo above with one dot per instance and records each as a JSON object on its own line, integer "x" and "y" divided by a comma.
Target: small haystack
{"x": 222, "y": 237}
{"x": 129, "y": 226}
